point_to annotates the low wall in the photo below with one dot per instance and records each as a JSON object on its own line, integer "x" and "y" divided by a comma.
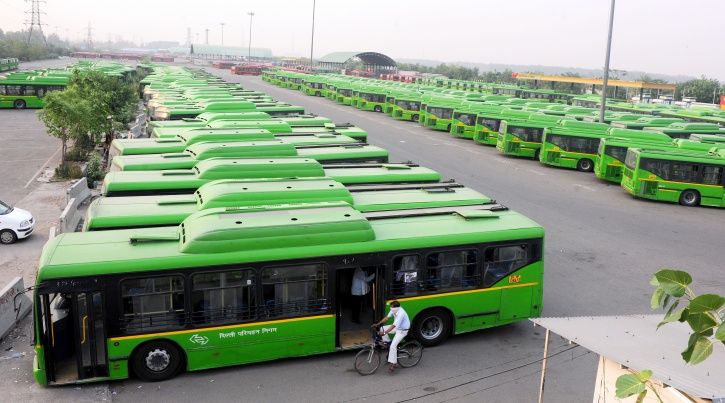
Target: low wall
{"x": 9, "y": 303}
{"x": 75, "y": 196}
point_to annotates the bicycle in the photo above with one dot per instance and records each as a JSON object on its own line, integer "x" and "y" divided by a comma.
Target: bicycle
{"x": 367, "y": 360}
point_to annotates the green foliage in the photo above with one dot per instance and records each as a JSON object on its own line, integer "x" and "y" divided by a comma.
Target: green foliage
{"x": 705, "y": 314}
{"x": 461, "y": 73}
{"x": 15, "y": 44}
{"x": 633, "y": 384}
{"x": 113, "y": 96}
{"x": 702, "y": 89}
{"x": 94, "y": 171}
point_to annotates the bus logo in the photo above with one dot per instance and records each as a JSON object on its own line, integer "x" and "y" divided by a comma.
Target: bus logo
{"x": 516, "y": 278}
{"x": 199, "y": 339}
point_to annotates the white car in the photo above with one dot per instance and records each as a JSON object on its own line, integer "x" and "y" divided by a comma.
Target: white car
{"x": 15, "y": 223}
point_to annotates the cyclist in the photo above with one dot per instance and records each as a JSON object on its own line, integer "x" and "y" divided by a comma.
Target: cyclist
{"x": 401, "y": 325}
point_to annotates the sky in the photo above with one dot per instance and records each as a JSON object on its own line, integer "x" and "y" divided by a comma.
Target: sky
{"x": 656, "y": 36}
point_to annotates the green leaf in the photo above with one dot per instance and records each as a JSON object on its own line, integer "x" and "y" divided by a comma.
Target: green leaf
{"x": 701, "y": 322}
{"x": 672, "y": 314}
{"x": 720, "y": 332}
{"x": 673, "y": 282}
{"x": 702, "y": 349}
{"x": 706, "y": 303}
{"x": 684, "y": 315}
{"x": 654, "y": 281}
{"x": 644, "y": 375}
{"x": 687, "y": 354}
{"x": 629, "y": 385}
{"x": 657, "y": 295}
{"x": 641, "y": 396}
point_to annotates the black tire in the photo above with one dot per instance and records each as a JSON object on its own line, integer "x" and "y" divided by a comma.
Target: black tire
{"x": 165, "y": 356}
{"x": 7, "y": 237}
{"x": 585, "y": 165}
{"x": 448, "y": 128}
{"x": 366, "y": 364}
{"x": 317, "y": 94}
{"x": 415, "y": 118}
{"x": 410, "y": 353}
{"x": 432, "y": 327}
{"x": 19, "y": 104}
{"x": 536, "y": 154}
{"x": 377, "y": 108}
{"x": 690, "y": 198}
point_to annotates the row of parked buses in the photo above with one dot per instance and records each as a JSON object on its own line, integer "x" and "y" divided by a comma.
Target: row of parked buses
{"x": 10, "y": 63}
{"x": 232, "y": 234}
{"x": 27, "y": 88}
{"x": 657, "y": 152}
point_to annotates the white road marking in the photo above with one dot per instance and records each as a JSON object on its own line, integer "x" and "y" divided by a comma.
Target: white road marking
{"x": 42, "y": 168}
{"x": 533, "y": 171}
{"x": 576, "y": 185}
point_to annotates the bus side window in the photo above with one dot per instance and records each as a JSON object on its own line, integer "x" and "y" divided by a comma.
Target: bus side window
{"x": 152, "y": 303}
{"x": 452, "y": 270}
{"x": 294, "y": 290}
{"x": 405, "y": 275}
{"x": 500, "y": 261}
{"x": 223, "y": 296}
{"x": 712, "y": 175}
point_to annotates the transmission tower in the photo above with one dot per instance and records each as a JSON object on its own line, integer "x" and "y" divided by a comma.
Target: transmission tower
{"x": 206, "y": 40}
{"x": 89, "y": 36}
{"x": 34, "y": 22}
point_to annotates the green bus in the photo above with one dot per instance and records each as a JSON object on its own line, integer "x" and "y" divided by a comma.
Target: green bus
{"x": 439, "y": 114}
{"x": 344, "y": 94}
{"x": 643, "y": 122}
{"x": 572, "y": 145}
{"x": 463, "y": 124}
{"x": 185, "y": 181}
{"x": 181, "y": 142}
{"x": 521, "y": 138}
{"x": 371, "y": 99}
{"x": 9, "y": 63}
{"x": 314, "y": 86}
{"x": 709, "y": 138}
{"x": 686, "y": 130}
{"x": 676, "y": 176}
{"x": 407, "y": 107}
{"x": 28, "y": 91}
{"x": 612, "y": 151}
{"x": 325, "y": 153}
{"x": 262, "y": 283}
{"x": 489, "y": 122}
{"x": 107, "y": 213}
{"x": 204, "y": 119}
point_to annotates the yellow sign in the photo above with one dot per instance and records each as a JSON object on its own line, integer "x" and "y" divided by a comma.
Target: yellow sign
{"x": 515, "y": 278}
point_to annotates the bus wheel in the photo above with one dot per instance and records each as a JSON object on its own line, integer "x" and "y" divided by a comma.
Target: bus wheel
{"x": 414, "y": 118}
{"x": 156, "y": 361}
{"x": 378, "y": 108}
{"x": 585, "y": 165}
{"x": 690, "y": 198}
{"x": 317, "y": 94}
{"x": 19, "y": 104}
{"x": 536, "y": 154}
{"x": 448, "y": 128}
{"x": 432, "y": 327}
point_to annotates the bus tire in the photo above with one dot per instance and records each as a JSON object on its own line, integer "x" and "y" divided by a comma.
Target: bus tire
{"x": 157, "y": 360}
{"x": 690, "y": 198}
{"x": 536, "y": 155}
{"x": 585, "y": 165}
{"x": 317, "y": 94}
{"x": 448, "y": 128}
{"x": 377, "y": 108}
{"x": 19, "y": 104}
{"x": 432, "y": 327}
{"x": 7, "y": 237}
{"x": 415, "y": 118}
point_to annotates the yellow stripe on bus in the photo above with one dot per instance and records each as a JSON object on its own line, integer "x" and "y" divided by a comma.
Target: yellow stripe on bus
{"x": 461, "y": 292}
{"x": 209, "y": 329}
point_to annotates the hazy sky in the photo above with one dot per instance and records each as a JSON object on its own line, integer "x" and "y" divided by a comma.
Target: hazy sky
{"x": 659, "y": 36}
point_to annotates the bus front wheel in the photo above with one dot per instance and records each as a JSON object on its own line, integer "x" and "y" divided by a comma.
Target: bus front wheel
{"x": 157, "y": 361}
{"x": 690, "y": 198}
{"x": 585, "y": 165}
{"x": 19, "y": 104}
{"x": 378, "y": 108}
{"x": 414, "y": 118}
{"x": 432, "y": 327}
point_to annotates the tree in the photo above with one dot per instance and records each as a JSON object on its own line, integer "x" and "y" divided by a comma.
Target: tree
{"x": 702, "y": 89}
{"x": 67, "y": 117}
{"x": 705, "y": 314}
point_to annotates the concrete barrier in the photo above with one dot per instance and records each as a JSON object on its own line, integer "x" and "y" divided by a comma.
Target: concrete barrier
{"x": 78, "y": 190}
{"x": 14, "y": 305}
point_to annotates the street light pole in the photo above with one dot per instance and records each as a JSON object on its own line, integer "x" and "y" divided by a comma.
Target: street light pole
{"x": 312, "y": 40}
{"x": 222, "y": 24}
{"x": 249, "y": 49}
{"x": 605, "y": 81}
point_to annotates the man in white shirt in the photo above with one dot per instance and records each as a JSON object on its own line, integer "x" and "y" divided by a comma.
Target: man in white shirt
{"x": 360, "y": 289}
{"x": 401, "y": 325}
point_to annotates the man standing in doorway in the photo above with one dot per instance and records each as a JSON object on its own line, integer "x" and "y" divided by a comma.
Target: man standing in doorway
{"x": 359, "y": 291}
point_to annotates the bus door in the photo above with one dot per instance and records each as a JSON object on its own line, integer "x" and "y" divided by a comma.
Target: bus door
{"x": 75, "y": 339}
{"x": 359, "y": 300}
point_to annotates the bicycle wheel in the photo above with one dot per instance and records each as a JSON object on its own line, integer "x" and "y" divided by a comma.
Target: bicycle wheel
{"x": 367, "y": 361}
{"x": 410, "y": 353}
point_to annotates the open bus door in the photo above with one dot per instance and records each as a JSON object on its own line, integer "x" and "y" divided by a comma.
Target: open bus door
{"x": 356, "y": 313}
{"x": 74, "y": 336}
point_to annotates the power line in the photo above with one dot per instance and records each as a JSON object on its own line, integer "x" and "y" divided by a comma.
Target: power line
{"x": 34, "y": 22}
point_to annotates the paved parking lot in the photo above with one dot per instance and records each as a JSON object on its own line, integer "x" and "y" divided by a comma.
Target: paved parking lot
{"x": 602, "y": 247}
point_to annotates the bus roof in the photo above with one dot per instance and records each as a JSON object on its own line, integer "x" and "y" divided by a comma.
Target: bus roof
{"x": 681, "y": 155}
{"x": 258, "y": 234}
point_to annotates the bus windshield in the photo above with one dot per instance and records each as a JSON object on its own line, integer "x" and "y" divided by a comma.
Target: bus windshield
{"x": 441, "y": 113}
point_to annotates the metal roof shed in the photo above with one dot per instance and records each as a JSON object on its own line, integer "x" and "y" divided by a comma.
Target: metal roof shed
{"x": 634, "y": 342}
